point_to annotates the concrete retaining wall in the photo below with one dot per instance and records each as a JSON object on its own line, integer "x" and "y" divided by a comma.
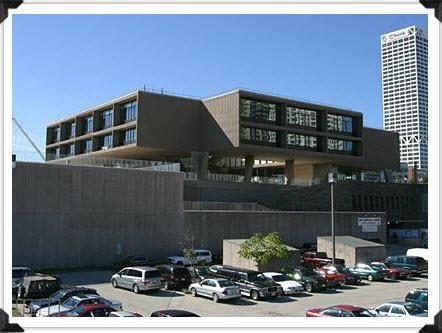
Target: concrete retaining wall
{"x": 210, "y": 228}
{"x": 66, "y": 216}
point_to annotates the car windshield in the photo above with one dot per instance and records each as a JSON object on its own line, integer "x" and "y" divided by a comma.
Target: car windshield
{"x": 203, "y": 270}
{"x": 75, "y": 312}
{"x": 413, "y": 309}
{"x": 178, "y": 271}
{"x": 280, "y": 278}
{"x": 59, "y": 294}
{"x": 70, "y": 303}
{"x": 378, "y": 267}
{"x": 225, "y": 283}
{"x": 363, "y": 313}
{"x": 257, "y": 277}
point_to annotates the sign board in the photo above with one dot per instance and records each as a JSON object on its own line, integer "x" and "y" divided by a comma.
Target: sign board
{"x": 369, "y": 224}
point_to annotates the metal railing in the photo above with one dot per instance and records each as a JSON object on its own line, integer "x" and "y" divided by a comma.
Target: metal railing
{"x": 22, "y": 306}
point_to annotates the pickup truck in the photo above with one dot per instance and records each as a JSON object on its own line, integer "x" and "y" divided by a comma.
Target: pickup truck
{"x": 316, "y": 259}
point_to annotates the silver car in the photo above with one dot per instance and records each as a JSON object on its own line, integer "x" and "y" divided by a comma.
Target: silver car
{"x": 138, "y": 279}
{"x": 216, "y": 289}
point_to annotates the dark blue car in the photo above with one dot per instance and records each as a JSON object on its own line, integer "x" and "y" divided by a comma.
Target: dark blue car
{"x": 58, "y": 298}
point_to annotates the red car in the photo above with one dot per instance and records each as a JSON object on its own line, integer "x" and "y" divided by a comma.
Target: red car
{"x": 316, "y": 259}
{"x": 340, "y": 311}
{"x": 393, "y": 273}
{"x": 86, "y": 310}
{"x": 334, "y": 278}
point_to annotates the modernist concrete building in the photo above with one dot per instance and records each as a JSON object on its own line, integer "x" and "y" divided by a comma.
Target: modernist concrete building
{"x": 241, "y": 133}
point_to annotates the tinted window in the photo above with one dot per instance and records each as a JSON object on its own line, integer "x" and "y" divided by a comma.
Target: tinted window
{"x": 400, "y": 260}
{"x": 100, "y": 313}
{"x": 212, "y": 283}
{"x": 225, "y": 283}
{"x": 411, "y": 261}
{"x": 412, "y": 295}
{"x": 413, "y": 309}
{"x": 384, "y": 308}
{"x": 224, "y": 272}
{"x": 178, "y": 271}
{"x": 280, "y": 278}
{"x": 152, "y": 274}
{"x": 397, "y": 310}
{"x": 203, "y": 253}
{"x": 135, "y": 273}
{"x": 139, "y": 259}
{"x": 332, "y": 312}
{"x": 205, "y": 283}
{"x": 123, "y": 272}
{"x": 18, "y": 273}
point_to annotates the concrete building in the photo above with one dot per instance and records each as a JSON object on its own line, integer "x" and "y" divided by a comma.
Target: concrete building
{"x": 243, "y": 135}
{"x": 353, "y": 250}
{"x": 405, "y": 92}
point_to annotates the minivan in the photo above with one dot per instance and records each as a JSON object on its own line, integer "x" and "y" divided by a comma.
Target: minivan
{"x": 417, "y": 265}
{"x": 175, "y": 277}
{"x": 137, "y": 279}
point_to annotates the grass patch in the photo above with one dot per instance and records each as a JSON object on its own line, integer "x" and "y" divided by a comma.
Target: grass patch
{"x": 16, "y": 313}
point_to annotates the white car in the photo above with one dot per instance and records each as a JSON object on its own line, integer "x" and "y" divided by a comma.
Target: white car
{"x": 201, "y": 256}
{"x": 288, "y": 285}
{"x": 121, "y": 314}
{"x": 400, "y": 309}
{"x": 78, "y": 300}
{"x": 216, "y": 289}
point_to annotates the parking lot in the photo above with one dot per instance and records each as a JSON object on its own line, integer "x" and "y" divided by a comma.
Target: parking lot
{"x": 368, "y": 294}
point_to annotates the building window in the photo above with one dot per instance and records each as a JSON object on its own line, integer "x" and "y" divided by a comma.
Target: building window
{"x": 130, "y": 136}
{"x": 57, "y": 153}
{"x": 343, "y": 146}
{"x": 129, "y": 111}
{"x": 107, "y": 141}
{"x": 302, "y": 141}
{"x": 88, "y": 125}
{"x": 87, "y": 146}
{"x": 337, "y": 123}
{"x": 72, "y": 130}
{"x": 301, "y": 117}
{"x": 108, "y": 118}
{"x": 71, "y": 150}
{"x": 56, "y": 134}
{"x": 258, "y": 135}
{"x": 255, "y": 110}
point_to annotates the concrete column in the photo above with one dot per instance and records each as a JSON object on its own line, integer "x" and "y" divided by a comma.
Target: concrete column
{"x": 289, "y": 170}
{"x": 248, "y": 170}
{"x": 200, "y": 162}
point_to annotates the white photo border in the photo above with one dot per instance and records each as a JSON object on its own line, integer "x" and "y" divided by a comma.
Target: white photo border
{"x": 399, "y": 7}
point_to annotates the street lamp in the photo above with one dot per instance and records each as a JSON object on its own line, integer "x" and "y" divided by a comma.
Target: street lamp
{"x": 331, "y": 181}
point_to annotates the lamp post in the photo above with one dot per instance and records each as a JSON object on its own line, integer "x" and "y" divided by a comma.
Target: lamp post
{"x": 331, "y": 181}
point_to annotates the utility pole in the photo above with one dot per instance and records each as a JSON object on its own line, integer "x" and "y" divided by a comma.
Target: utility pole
{"x": 331, "y": 181}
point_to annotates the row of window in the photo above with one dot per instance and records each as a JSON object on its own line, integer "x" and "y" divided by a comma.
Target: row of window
{"x": 369, "y": 202}
{"x": 128, "y": 112}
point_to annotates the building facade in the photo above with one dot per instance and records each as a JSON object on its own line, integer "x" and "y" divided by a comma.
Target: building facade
{"x": 239, "y": 133}
{"x": 405, "y": 92}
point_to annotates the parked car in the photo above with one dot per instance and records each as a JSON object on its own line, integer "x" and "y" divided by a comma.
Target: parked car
{"x": 369, "y": 273}
{"x": 199, "y": 273}
{"x": 350, "y": 278}
{"x": 137, "y": 279}
{"x": 217, "y": 289}
{"x": 341, "y": 311}
{"x": 132, "y": 261}
{"x": 86, "y": 310}
{"x": 58, "y": 298}
{"x": 400, "y": 309}
{"x": 214, "y": 268}
{"x": 311, "y": 280}
{"x": 18, "y": 273}
{"x": 38, "y": 286}
{"x": 418, "y": 252}
{"x": 252, "y": 284}
{"x": 419, "y": 297}
{"x": 173, "y": 313}
{"x": 333, "y": 277}
{"x": 201, "y": 256}
{"x": 316, "y": 259}
{"x": 417, "y": 265}
{"x": 288, "y": 285}
{"x": 76, "y": 301}
{"x": 175, "y": 277}
{"x": 121, "y": 314}
{"x": 392, "y": 273}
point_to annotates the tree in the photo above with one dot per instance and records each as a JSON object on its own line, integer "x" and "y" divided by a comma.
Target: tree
{"x": 189, "y": 254}
{"x": 262, "y": 248}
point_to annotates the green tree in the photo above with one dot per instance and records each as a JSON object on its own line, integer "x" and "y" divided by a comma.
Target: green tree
{"x": 189, "y": 254}
{"x": 262, "y": 248}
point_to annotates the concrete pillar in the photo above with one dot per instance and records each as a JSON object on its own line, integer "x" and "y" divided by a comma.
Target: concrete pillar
{"x": 200, "y": 162}
{"x": 248, "y": 171}
{"x": 289, "y": 170}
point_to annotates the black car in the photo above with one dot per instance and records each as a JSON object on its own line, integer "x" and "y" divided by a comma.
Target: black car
{"x": 58, "y": 298}
{"x": 307, "y": 276}
{"x": 131, "y": 261}
{"x": 175, "y": 277}
{"x": 173, "y": 313}
{"x": 251, "y": 283}
{"x": 200, "y": 273}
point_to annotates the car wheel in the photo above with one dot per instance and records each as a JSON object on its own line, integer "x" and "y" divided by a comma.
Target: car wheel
{"x": 370, "y": 278}
{"x": 308, "y": 287}
{"x": 136, "y": 289}
{"x": 254, "y": 295}
{"x": 114, "y": 283}
{"x": 393, "y": 277}
{"x": 215, "y": 297}
{"x": 193, "y": 292}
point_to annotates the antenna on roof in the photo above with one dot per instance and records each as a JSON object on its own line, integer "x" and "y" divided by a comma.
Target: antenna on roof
{"x": 144, "y": 88}
{"x": 161, "y": 91}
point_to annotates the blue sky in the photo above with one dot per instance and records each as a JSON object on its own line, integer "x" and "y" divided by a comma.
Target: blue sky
{"x": 63, "y": 64}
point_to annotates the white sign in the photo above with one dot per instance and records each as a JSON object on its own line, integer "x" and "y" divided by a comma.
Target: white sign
{"x": 369, "y": 228}
{"x": 366, "y": 221}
